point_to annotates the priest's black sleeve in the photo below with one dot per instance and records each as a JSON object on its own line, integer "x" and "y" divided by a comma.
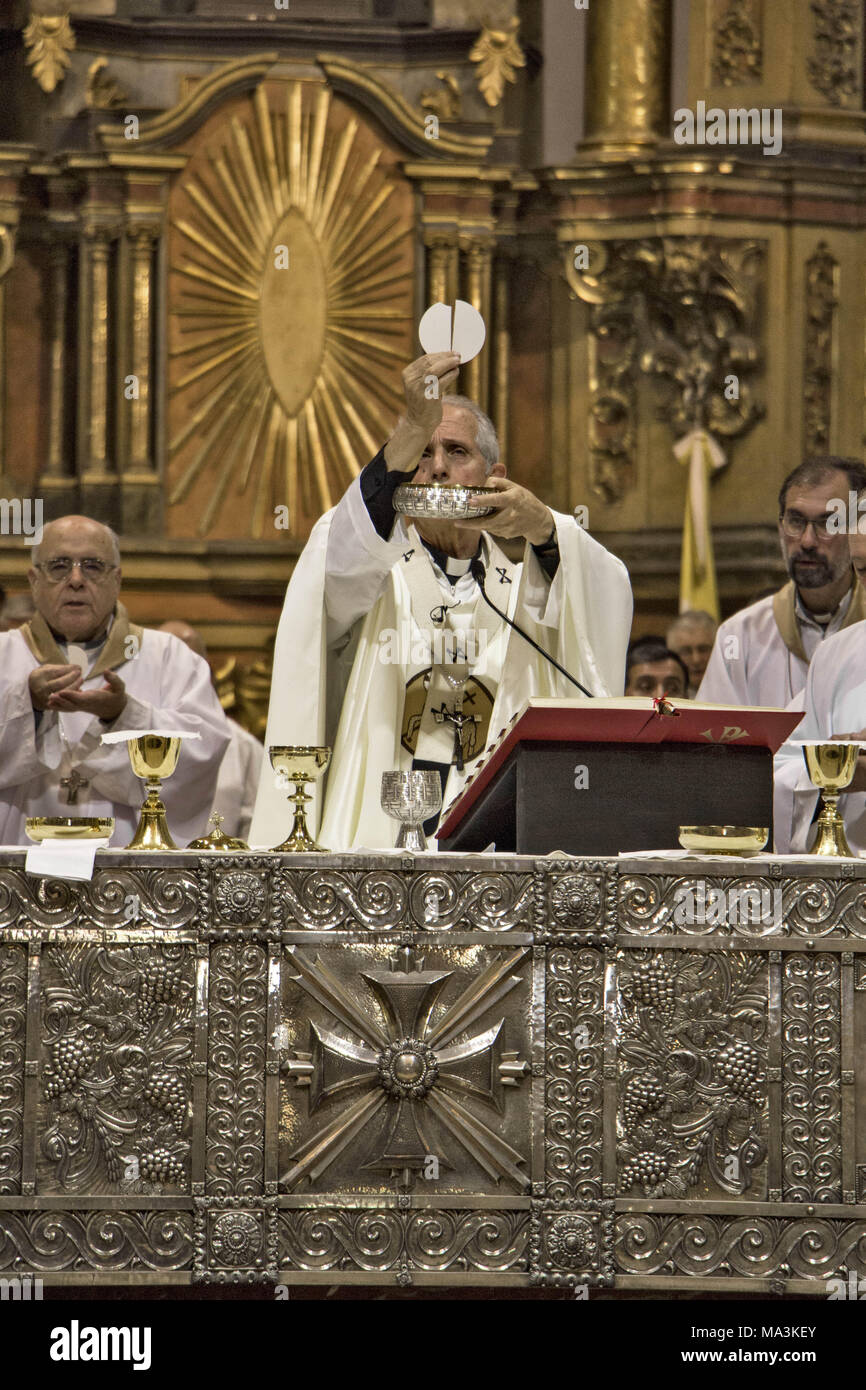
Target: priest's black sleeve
{"x": 378, "y": 486}
{"x": 547, "y": 555}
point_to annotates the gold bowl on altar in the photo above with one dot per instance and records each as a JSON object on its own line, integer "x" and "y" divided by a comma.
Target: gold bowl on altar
{"x": 69, "y": 827}
{"x": 439, "y": 502}
{"x": 724, "y": 839}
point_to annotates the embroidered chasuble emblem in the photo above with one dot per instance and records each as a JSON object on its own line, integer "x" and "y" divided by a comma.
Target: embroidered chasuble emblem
{"x": 474, "y": 721}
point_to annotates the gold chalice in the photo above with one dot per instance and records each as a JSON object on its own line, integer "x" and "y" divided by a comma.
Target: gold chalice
{"x": 831, "y": 767}
{"x": 153, "y": 756}
{"x": 300, "y": 764}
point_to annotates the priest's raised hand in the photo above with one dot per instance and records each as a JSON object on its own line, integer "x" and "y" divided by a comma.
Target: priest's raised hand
{"x": 80, "y": 667}
{"x": 386, "y": 651}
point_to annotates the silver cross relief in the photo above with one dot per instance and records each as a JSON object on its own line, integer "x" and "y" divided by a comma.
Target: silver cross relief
{"x": 73, "y": 784}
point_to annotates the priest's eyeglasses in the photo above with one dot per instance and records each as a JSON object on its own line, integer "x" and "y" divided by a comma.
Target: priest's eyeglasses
{"x": 794, "y": 524}
{"x": 62, "y": 566}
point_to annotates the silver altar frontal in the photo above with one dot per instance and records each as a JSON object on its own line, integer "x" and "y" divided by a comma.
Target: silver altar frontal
{"x": 434, "y": 1070}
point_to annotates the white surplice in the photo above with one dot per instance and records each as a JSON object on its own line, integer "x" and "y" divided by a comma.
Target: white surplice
{"x": 751, "y": 664}
{"x": 835, "y": 704}
{"x": 335, "y": 681}
{"x": 167, "y": 686}
{"x": 238, "y": 781}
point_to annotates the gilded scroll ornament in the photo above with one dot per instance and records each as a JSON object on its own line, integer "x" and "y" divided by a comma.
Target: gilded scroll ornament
{"x": 822, "y": 299}
{"x": 737, "y": 50}
{"x": 683, "y": 310}
{"x": 498, "y": 55}
{"x": 49, "y": 40}
{"x": 445, "y": 102}
{"x": 103, "y": 92}
{"x": 832, "y": 66}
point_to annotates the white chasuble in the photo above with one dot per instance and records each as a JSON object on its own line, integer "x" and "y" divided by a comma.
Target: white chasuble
{"x": 57, "y": 766}
{"x": 835, "y": 705}
{"x": 349, "y": 643}
{"x": 761, "y": 655}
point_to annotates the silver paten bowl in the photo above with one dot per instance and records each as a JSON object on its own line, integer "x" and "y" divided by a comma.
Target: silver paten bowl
{"x": 436, "y": 500}
{"x": 410, "y": 797}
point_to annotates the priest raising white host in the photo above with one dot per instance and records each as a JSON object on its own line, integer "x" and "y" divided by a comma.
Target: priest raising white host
{"x": 80, "y": 668}
{"x": 344, "y": 675}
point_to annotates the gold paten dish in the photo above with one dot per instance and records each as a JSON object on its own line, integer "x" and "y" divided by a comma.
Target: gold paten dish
{"x": 435, "y": 500}
{"x": 724, "y": 839}
{"x": 69, "y": 827}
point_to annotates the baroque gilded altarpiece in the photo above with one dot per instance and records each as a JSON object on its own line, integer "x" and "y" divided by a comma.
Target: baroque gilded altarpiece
{"x": 260, "y": 389}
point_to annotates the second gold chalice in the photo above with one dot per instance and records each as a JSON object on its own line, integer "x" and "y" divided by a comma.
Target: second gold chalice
{"x": 831, "y": 767}
{"x": 153, "y": 756}
{"x": 299, "y": 763}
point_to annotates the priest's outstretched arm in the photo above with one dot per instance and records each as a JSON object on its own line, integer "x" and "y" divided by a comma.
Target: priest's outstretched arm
{"x": 367, "y": 538}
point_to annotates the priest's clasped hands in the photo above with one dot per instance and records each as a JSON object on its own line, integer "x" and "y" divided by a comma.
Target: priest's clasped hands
{"x": 57, "y": 687}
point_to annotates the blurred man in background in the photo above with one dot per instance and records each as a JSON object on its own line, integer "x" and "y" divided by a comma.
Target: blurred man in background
{"x": 241, "y": 767}
{"x": 691, "y": 637}
{"x": 653, "y": 669}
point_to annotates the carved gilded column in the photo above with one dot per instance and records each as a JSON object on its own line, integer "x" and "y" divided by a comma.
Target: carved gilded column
{"x": 7, "y": 255}
{"x": 501, "y": 350}
{"x": 98, "y": 482}
{"x": 628, "y": 73}
{"x": 57, "y": 464}
{"x": 140, "y": 456}
{"x": 13, "y": 163}
{"x": 139, "y": 481}
{"x": 478, "y": 261}
{"x": 442, "y": 268}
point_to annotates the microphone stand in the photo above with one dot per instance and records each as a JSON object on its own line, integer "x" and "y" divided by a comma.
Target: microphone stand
{"x": 479, "y": 573}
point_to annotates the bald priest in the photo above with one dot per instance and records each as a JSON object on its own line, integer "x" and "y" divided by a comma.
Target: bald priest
{"x": 386, "y": 651}
{"x": 80, "y": 668}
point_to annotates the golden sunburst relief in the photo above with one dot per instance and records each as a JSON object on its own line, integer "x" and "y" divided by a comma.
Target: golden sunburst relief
{"x": 291, "y": 311}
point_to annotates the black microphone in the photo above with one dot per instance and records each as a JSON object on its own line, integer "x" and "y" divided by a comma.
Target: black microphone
{"x": 479, "y": 574}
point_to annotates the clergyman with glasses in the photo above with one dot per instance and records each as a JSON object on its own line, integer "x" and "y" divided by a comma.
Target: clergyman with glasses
{"x": 761, "y": 655}
{"x": 80, "y": 668}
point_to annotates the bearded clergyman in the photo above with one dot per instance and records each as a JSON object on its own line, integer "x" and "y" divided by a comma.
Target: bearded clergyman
{"x": 387, "y": 651}
{"x": 79, "y": 668}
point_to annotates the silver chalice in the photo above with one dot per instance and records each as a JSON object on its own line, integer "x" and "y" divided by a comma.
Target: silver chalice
{"x": 410, "y": 797}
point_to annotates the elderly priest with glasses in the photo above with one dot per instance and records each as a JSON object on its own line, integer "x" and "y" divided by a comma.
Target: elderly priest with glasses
{"x": 386, "y": 650}
{"x": 80, "y": 668}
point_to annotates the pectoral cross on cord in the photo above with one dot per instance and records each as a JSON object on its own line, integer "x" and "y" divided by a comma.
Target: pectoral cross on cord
{"x": 73, "y": 784}
{"x": 458, "y": 719}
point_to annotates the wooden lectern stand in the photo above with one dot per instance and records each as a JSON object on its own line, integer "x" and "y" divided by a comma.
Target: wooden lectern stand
{"x": 607, "y": 776}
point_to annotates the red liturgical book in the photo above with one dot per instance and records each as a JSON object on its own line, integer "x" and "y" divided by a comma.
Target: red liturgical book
{"x": 629, "y": 719}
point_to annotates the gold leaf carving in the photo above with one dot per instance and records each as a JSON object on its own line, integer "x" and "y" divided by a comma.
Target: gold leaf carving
{"x": 737, "y": 52}
{"x": 498, "y": 55}
{"x": 103, "y": 92}
{"x": 49, "y": 40}
{"x": 822, "y": 298}
{"x": 446, "y": 104}
{"x": 832, "y": 66}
